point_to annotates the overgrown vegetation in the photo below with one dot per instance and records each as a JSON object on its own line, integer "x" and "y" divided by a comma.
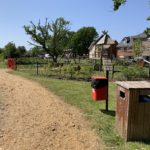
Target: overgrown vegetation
{"x": 82, "y": 70}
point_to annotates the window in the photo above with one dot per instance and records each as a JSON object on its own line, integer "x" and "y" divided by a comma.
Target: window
{"x": 122, "y": 94}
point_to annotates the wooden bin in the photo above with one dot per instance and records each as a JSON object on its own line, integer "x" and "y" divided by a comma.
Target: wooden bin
{"x": 133, "y": 110}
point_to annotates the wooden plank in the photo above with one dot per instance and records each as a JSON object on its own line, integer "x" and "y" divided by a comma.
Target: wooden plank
{"x": 145, "y": 92}
{"x": 133, "y": 113}
{"x": 146, "y": 120}
{"x": 126, "y": 115}
{"x": 140, "y": 121}
{"x": 121, "y": 113}
{"x": 134, "y": 84}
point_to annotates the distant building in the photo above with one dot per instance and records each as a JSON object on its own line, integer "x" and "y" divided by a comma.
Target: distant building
{"x": 104, "y": 46}
{"x": 124, "y": 48}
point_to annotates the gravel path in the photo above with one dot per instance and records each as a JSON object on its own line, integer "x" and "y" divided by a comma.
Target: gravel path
{"x": 32, "y": 118}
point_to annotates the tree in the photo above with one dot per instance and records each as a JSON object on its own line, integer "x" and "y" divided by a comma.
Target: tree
{"x": 147, "y": 30}
{"x": 21, "y": 51}
{"x": 137, "y": 47}
{"x": 51, "y": 37}
{"x": 118, "y": 3}
{"x": 34, "y": 52}
{"x": 82, "y": 39}
{"x": 10, "y": 50}
{"x": 1, "y": 50}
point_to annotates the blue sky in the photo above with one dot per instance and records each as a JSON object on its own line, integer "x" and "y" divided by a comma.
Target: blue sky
{"x": 130, "y": 19}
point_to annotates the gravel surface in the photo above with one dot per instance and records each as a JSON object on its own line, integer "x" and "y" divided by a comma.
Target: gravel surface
{"x": 33, "y": 118}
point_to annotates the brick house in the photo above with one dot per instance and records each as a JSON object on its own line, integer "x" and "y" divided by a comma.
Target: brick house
{"x": 124, "y": 48}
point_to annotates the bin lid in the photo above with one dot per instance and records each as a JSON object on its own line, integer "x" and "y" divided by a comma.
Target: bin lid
{"x": 99, "y": 77}
{"x": 98, "y": 82}
{"x": 134, "y": 84}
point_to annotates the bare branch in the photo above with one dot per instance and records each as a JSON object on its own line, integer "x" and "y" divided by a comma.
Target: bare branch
{"x": 34, "y": 44}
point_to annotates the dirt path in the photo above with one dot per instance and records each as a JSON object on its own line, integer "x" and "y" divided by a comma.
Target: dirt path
{"x": 32, "y": 118}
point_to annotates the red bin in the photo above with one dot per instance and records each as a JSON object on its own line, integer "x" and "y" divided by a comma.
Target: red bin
{"x": 11, "y": 63}
{"x": 99, "y": 88}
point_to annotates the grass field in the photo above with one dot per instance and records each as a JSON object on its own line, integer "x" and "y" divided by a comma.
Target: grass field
{"x": 79, "y": 94}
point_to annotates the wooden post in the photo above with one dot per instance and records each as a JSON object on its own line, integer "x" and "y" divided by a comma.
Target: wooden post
{"x": 107, "y": 76}
{"x": 113, "y": 70}
{"x": 149, "y": 70}
{"x": 101, "y": 58}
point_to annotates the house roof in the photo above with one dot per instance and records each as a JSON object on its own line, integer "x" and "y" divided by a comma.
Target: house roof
{"x": 128, "y": 41}
{"x": 103, "y": 40}
{"x": 141, "y": 36}
{"x": 92, "y": 44}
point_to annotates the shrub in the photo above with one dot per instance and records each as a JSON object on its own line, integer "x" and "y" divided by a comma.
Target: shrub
{"x": 134, "y": 72}
{"x": 71, "y": 70}
{"x": 30, "y": 60}
{"x": 122, "y": 62}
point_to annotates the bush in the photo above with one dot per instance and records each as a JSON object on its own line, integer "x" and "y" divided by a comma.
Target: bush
{"x": 88, "y": 71}
{"x": 134, "y": 72}
{"x": 30, "y": 60}
{"x": 71, "y": 70}
{"x": 97, "y": 67}
{"x": 122, "y": 62}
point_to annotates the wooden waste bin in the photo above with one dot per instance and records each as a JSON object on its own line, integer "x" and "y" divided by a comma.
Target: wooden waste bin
{"x": 133, "y": 110}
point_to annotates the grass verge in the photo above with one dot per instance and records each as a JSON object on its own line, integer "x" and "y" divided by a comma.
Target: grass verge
{"x": 79, "y": 94}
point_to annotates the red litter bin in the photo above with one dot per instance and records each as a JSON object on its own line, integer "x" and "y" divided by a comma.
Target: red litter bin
{"x": 99, "y": 86}
{"x": 11, "y": 63}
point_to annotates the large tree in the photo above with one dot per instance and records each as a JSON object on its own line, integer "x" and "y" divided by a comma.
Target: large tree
{"x": 82, "y": 39}
{"x": 21, "y": 51}
{"x": 51, "y": 37}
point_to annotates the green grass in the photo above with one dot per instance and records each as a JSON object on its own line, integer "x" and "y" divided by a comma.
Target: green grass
{"x": 79, "y": 94}
{"x": 2, "y": 64}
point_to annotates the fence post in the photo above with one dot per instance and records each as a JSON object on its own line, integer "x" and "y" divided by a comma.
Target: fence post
{"x": 149, "y": 70}
{"x": 107, "y": 76}
{"x": 113, "y": 70}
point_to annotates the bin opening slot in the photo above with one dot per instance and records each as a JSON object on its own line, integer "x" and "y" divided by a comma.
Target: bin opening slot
{"x": 122, "y": 94}
{"x": 144, "y": 98}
